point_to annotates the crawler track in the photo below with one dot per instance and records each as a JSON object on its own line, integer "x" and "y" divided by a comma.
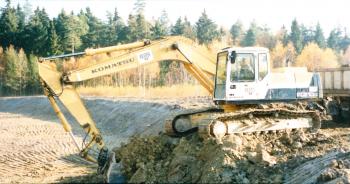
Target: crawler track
{"x": 215, "y": 123}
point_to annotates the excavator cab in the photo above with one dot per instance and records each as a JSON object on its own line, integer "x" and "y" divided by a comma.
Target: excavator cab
{"x": 243, "y": 76}
{"x": 240, "y": 74}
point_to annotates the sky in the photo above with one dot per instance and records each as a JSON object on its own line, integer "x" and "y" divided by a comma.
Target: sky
{"x": 273, "y": 13}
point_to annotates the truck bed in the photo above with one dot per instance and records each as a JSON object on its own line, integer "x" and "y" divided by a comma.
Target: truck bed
{"x": 336, "y": 81}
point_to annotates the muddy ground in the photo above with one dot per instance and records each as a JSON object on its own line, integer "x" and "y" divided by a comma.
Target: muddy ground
{"x": 35, "y": 149}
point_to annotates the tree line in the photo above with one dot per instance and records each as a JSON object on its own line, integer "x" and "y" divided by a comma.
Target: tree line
{"x": 26, "y": 35}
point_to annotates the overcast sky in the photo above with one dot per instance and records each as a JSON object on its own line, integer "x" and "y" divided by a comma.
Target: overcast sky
{"x": 274, "y": 13}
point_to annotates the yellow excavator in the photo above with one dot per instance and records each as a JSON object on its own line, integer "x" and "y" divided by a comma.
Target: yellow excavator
{"x": 239, "y": 79}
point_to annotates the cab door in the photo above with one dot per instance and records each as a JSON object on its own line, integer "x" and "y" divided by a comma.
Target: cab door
{"x": 220, "y": 77}
{"x": 262, "y": 77}
{"x": 242, "y": 81}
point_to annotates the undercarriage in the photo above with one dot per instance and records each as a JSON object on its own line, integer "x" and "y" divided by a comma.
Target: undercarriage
{"x": 215, "y": 122}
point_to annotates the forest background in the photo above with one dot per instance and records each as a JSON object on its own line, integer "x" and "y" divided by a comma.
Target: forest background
{"x": 27, "y": 34}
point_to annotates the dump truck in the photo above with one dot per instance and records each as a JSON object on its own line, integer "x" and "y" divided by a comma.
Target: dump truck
{"x": 336, "y": 90}
{"x": 240, "y": 80}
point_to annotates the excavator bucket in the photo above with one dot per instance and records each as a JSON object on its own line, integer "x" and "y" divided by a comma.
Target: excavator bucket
{"x": 113, "y": 171}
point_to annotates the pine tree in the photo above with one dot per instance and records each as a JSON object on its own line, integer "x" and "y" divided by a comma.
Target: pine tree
{"x": 92, "y": 37}
{"x": 160, "y": 27}
{"x": 20, "y": 28}
{"x": 344, "y": 43}
{"x": 295, "y": 36}
{"x": 158, "y": 30}
{"x": 119, "y": 27}
{"x": 206, "y": 29}
{"x": 164, "y": 22}
{"x": 319, "y": 37}
{"x": 307, "y": 34}
{"x": 139, "y": 7}
{"x": 20, "y": 17}
{"x": 27, "y": 10}
{"x": 37, "y": 32}
{"x": 115, "y": 28}
{"x": 189, "y": 31}
{"x": 8, "y": 25}
{"x": 236, "y": 32}
{"x": 249, "y": 38}
{"x": 131, "y": 29}
{"x": 109, "y": 35}
{"x": 282, "y": 36}
{"x": 70, "y": 29}
{"x": 138, "y": 28}
{"x": 76, "y": 28}
{"x": 142, "y": 27}
{"x": 54, "y": 48}
{"x": 334, "y": 39}
{"x": 178, "y": 28}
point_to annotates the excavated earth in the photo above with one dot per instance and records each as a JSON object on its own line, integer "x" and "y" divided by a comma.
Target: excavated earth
{"x": 289, "y": 157}
{"x": 35, "y": 149}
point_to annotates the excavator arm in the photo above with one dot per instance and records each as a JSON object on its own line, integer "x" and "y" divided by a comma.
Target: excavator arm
{"x": 58, "y": 86}
{"x": 197, "y": 61}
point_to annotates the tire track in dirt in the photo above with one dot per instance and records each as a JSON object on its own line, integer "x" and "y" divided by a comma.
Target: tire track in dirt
{"x": 33, "y": 151}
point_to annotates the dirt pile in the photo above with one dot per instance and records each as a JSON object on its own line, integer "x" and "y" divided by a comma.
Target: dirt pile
{"x": 267, "y": 158}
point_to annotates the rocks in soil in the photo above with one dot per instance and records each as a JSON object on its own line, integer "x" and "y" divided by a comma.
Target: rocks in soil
{"x": 266, "y": 158}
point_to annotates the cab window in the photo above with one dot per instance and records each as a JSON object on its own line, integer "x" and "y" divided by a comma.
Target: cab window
{"x": 220, "y": 81}
{"x": 263, "y": 65}
{"x": 243, "y": 70}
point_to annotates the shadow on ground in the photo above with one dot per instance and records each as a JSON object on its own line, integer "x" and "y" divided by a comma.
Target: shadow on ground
{"x": 88, "y": 176}
{"x": 329, "y": 124}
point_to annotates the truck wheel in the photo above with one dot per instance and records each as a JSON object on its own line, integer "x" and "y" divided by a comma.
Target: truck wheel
{"x": 333, "y": 109}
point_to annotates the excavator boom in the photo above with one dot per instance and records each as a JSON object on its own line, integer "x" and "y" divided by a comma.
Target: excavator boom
{"x": 198, "y": 61}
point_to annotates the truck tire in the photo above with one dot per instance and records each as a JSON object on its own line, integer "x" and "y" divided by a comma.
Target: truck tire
{"x": 333, "y": 109}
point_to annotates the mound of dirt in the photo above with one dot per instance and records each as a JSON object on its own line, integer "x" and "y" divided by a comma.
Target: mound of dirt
{"x": 267, "y": 158}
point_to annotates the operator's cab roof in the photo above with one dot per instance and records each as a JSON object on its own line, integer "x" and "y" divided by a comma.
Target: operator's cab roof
{"x": 246, "y": 49}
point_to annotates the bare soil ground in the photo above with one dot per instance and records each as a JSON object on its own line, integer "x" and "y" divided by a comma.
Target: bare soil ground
{"x": 288, "y": 157}
{"x": 37, "y": 151}
{"x": 34, "y": 147}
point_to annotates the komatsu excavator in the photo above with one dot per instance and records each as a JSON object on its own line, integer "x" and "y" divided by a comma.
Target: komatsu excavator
{"x": 239, "y": 79}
